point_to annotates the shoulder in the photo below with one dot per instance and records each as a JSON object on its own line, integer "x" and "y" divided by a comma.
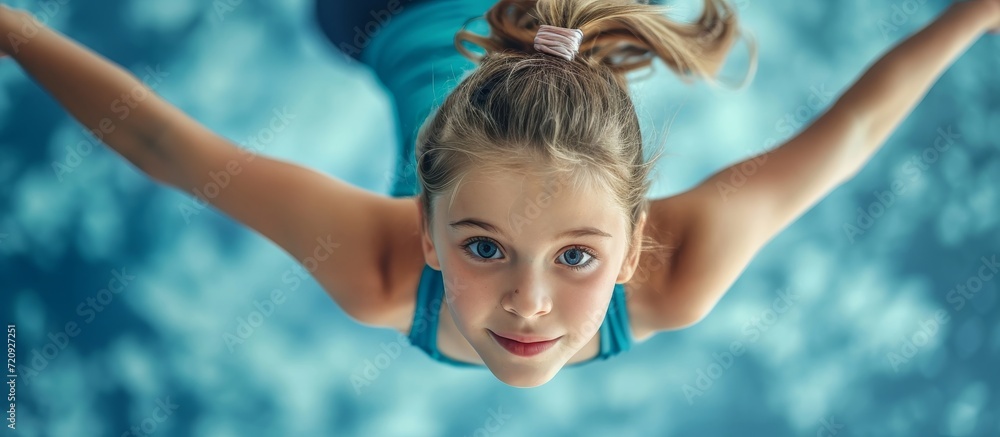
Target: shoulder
{"x": 400, "y": 265}
{"x": 662, "y": 294}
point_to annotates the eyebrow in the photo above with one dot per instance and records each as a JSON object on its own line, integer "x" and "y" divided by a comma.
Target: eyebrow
{"x": 481, "y": 224}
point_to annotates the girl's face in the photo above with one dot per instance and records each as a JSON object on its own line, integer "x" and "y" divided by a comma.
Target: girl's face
{"x": 529, "y": 259}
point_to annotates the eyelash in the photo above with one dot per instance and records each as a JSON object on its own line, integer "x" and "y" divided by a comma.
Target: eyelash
{"x": 593, "y": 256}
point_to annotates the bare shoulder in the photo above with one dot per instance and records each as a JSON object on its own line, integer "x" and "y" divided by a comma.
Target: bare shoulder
{"x": 401, "y": 263}
{"x": 659, "y": 287}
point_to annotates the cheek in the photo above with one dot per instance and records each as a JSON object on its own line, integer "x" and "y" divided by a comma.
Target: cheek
{"x": 469, "y": 295}
{"x": 584, "y": 310}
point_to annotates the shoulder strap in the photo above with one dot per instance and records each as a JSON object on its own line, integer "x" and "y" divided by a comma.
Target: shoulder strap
{"x": 616, "y": 334}
{"x": 423, "y": 332}
{"x": 424, "y": 327}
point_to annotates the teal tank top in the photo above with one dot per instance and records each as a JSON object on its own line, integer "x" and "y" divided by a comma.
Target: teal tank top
{"x": 414, "y": 57}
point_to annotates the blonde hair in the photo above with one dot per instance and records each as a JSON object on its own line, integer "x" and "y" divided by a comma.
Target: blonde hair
{"x": 521, "y": 109}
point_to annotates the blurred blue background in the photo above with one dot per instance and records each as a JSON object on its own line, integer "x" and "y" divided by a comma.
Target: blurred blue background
{"x": 858, "y": 353}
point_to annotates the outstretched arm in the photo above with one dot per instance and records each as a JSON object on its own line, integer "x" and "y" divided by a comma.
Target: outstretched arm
{"x": 336, "y": 231}
{"x": 724, "y": 221}
{"x": 887, "y": 93}
{"x": 83, "y": 82}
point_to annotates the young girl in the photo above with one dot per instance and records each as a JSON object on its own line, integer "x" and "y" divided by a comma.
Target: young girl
{"x": 518, "y": 236}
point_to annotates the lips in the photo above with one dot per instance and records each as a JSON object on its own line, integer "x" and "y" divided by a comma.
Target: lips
{"x": 523, "y": 346}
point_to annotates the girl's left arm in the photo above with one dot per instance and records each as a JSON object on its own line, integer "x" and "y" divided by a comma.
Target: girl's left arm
{"x": 724, "y": 221}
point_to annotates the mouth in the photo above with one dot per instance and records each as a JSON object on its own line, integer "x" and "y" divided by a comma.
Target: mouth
{"x": 523, "y": 346}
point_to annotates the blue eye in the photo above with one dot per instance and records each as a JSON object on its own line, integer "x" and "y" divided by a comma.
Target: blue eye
{"x": 577, "y": 257}
{"x": 482, "y": 248}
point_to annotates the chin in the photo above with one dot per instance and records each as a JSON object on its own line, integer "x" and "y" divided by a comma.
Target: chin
{"x": 525, "y": 377}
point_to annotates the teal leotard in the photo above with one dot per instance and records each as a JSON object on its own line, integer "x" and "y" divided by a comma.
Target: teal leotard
{"x": 415, "y": 58}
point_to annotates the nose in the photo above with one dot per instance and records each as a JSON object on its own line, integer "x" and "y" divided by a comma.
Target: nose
{"x": 528, "y": 297}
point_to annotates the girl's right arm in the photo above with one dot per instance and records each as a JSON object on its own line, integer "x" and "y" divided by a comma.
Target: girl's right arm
{"x": 338, "y": 232}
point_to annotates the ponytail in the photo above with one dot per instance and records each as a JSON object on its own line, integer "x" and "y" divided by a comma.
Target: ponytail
{"x": 622, "y": 35}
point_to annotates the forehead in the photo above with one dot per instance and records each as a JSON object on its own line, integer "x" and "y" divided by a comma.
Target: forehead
{"x": 519, "y": 201}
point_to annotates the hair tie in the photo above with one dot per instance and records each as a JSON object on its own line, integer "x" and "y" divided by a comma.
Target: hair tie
{"x": 558, "y": 41}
